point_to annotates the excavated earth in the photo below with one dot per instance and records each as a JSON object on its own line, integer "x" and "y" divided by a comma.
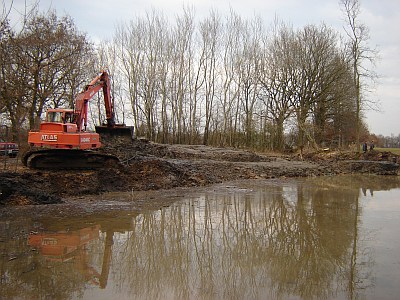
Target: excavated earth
{"x": 147, "y": 166}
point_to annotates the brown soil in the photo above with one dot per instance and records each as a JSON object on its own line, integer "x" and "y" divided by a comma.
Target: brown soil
{"x": 149, "y": 166}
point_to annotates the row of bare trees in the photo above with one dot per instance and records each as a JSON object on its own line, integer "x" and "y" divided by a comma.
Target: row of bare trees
{"x": 233, "y": 82}
{"x": 222, "y": 81}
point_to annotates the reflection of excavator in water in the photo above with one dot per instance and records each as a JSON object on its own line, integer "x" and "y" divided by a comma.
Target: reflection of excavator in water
{"x": 62, "y": 141}
{"x": 72, "y": 246}
{"x": 80, "y": 244}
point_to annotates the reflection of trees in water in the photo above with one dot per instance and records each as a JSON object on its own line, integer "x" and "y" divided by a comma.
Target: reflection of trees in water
{"x": 360, "y": 272}
{"x": 243, "y": 245}
{"x": 357, "y": 181}
{"x": 310, "y": 249}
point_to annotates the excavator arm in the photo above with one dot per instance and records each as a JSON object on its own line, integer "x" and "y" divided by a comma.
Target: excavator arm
{"x": 101, "y": 81}
{"x": 107, "y": 99}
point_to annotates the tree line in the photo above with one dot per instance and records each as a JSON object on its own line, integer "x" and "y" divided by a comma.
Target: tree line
{"x": 221, "y": 81}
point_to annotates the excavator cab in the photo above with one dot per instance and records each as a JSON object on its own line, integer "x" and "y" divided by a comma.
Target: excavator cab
{"x": 59, "y": 115}
{"x": 54, "y": 117}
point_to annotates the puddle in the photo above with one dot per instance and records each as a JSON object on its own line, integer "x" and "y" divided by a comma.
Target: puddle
{"x": 320, "y": 238}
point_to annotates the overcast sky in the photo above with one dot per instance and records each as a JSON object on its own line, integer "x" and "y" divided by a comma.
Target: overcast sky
{"x": 98, "y": 19}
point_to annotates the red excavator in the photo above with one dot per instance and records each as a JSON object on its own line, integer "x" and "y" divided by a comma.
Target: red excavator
{"x": 62, "y": 141}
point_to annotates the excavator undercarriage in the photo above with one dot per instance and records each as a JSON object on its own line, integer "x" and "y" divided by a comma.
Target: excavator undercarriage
{"x": 68, "y": 159}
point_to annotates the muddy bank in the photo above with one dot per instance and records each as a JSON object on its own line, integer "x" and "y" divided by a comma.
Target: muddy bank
{"x": 149, "y": 166}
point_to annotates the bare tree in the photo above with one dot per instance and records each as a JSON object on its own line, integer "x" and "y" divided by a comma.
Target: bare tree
{"x": 48, "y": 49}
{"x": 13, "y": 87}
{"x": 165, "y": 64}
{"x": 181, "y": 61}
{"x": 276, "y": 81}
{"x": 209, "y": 32}
{"x": 4, "y": 13}
{"x": 129, "y": 44}
{"x": 141, "y": 54}
{"x": 333, "y": 112}
{"x": 23, "y": 15}
{"x": 13, "y": 78}
{"x": 314, "y": 74}
{"x": 250, "y": 70}
{"x": 196, "y": 83}
{"x": 230, "y": 89}
{"x": 360, "y": 53}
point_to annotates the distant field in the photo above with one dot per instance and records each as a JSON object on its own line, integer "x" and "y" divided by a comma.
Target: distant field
{"x": 393, "y": 150}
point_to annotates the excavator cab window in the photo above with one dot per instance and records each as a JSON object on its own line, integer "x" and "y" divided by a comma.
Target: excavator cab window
{"x": 68, "y": 117}
{"x": 54, "y": 117}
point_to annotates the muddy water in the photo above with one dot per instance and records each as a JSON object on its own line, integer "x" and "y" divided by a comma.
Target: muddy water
{"x": 321, "y": 238}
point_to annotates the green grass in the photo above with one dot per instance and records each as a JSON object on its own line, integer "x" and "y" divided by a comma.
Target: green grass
{"x": 393, "y": 150}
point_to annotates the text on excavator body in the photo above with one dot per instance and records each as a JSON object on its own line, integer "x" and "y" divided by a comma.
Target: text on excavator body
{"x": 49, "y": 137}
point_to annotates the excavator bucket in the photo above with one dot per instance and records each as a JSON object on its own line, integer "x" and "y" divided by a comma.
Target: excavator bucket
{"x": 118, "y": 130}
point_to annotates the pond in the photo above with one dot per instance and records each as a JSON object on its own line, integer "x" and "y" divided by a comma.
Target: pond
{"x": 314, "y": 238}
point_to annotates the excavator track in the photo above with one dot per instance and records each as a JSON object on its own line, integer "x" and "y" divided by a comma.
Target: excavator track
{"x": 68, "y": 159}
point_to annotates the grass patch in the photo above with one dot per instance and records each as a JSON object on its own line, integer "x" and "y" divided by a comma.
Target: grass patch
{"x": 393, "y": 150}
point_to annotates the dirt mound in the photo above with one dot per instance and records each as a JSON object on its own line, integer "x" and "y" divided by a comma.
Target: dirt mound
{"x": 25, "y": 189}
{"x": 371, "y": 162}
{"x": 351, "y": 155}
{"x": 128, "y": 151}
{"x": 151, "y": 166}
